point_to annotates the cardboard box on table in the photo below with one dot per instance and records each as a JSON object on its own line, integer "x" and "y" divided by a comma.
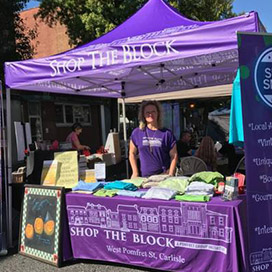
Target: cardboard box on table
{"x": 113, "y": 147}
{"x": 106, "y": 158}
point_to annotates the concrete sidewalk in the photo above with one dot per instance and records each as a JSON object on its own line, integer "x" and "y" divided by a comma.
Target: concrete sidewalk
{"x": 16, "y": 262}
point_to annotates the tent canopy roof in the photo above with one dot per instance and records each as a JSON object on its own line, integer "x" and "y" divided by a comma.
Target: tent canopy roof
{"x": 154, "y": 16}
{"x": 154, "y": 51}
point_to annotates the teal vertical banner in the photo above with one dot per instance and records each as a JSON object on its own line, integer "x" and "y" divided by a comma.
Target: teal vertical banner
{"x": 255, "y": 61}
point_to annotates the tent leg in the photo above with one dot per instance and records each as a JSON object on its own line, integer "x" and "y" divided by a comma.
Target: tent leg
{"x": 103, "y": 127}
{"x": 125, "y": 134}
{"x": 3, "y": 216}
{"x": 9, "y": 168}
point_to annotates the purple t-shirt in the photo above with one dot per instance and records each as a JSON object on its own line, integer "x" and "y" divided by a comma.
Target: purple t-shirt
{"x": 153, "y": 147}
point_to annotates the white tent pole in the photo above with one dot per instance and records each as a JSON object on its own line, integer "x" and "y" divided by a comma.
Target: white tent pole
{"x": 103, "y": 127}
{"x": 125, "y": 133}
{"x": 118, "y": 112}
{"x": 8, "y": 110}
{"x": 125, "y": 126}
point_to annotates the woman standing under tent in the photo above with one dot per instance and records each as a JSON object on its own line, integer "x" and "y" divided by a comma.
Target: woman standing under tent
{"x": 156, "y": 145}
{"x": 73, "y": 137}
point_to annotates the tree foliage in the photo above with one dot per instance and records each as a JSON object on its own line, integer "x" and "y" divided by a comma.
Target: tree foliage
{"x": 88, "y": 19}
{"x": 204, "y": 10}
{"x": 15, "y": 42}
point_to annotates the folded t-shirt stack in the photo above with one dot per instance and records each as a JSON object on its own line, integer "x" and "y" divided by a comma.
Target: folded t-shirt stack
{"x": 131, "y": 193}
{"x": 178, "y": 184}
{"x": 88, "y": 186}
{"x": 208, "y": 177}
{"x": 160, "y": 193}
{"x": 120, "y": 185}
{"x": 200, "y": 188}
{"x": 154, "y": 180}
{"x": 193, "y": 198}
{"x": 136, "y": 181}
{"x": 106, "y": 193}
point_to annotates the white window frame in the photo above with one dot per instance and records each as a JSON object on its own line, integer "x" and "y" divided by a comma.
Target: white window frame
{"x": 66, "y": 124}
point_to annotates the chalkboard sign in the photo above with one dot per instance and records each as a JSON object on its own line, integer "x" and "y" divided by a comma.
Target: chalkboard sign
{"x": 40, "y": 227}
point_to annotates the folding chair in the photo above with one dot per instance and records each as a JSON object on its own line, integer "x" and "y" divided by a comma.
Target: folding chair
{"x": 191, "y": 165}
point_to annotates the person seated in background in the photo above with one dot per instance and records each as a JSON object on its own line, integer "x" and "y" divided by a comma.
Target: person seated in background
{"x": 207, "y": 153}
{"x": 183, "y": 144}
{"x": 73, "y": 137}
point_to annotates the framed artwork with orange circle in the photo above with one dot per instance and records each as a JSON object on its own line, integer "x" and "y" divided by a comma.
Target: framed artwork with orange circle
{"x": 41, "y": 223}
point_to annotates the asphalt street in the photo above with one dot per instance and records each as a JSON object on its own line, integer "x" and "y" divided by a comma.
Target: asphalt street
{"x": 16, "y": 262}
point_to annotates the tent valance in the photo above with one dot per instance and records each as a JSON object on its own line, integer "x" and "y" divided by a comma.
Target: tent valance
{"x": 207, "y": 92}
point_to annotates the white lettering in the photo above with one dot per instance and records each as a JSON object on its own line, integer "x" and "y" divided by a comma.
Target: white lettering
{"x": 135, "y": 54}
{"x": 71, "y": 66}
{"x": 144, "y": 53}
{"x": 114, "y": 55}
{"x": 268, "y": 73}
{"x": 126, "y": 54}
{"x": 52, "y": 65}
{"x": 267, "y": 84}
{"x": 155, "y": 49}
{"x": 81, "y": 231}
{"x": 260, "y": 267}
{"x": 92, "y": 54}
{"x": 151, "y": 240}
{"x": 115, "y": 235}
{"x": 170, "y": 48}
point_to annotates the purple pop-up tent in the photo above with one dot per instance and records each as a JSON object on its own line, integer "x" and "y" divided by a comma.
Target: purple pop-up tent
{"x": 155, "y": 51}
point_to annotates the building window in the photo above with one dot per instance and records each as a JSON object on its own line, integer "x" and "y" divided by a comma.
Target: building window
{"x": 194, "y": 215}
{"x": 164, "y": 228}
{"x": 67, "y": 114}
{"x": 221, "y": 221}
{"x": 212, "y": 220}
{"x": 35, "y": 120}
{"x": 171, "y": 229}
{"x": 221, "y": 232}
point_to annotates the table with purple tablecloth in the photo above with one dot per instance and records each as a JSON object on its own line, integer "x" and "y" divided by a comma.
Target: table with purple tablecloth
{"x": 166, "y": 235}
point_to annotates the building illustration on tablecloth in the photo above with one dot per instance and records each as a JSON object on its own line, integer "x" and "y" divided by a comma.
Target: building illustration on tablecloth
{"x": 188, "y": 220}
{"x": 260, "y": 257}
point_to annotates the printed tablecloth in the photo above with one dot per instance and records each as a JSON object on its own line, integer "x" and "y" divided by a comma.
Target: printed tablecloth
{"x": 167, "y": 235}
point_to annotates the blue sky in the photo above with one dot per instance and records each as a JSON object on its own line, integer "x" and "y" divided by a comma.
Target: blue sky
{"x": 263, "y": 7}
